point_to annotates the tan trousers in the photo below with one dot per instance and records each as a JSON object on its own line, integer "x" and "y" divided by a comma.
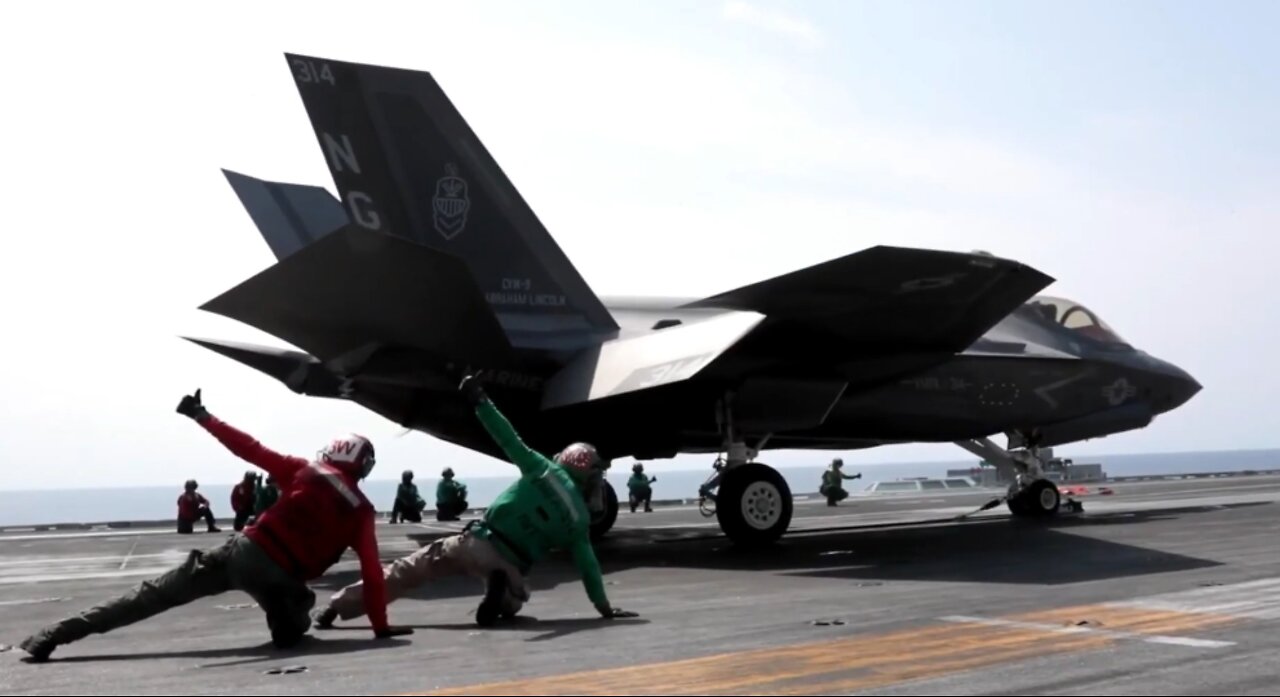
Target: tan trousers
{"x": 456, "y": 555}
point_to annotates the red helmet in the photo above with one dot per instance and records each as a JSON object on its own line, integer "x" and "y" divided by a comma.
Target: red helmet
{"x": 352, "y": 453}
{"x": 580, "y": 459}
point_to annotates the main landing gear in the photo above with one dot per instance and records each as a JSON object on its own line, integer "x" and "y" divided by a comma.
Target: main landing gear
{"x": 602, "y": 521}
{"x": 1031, "y": 494}
{"x": 753, "y": 503}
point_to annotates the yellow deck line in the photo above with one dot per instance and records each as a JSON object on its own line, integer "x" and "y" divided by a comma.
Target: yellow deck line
{"x": 864, "y": 661}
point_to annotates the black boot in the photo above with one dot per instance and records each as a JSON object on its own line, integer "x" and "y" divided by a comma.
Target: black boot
{"x": 208, "y": 518}
{"x": 325, "y": 618}
{"x": 39, "y": 647}
{"x": 491, "y": 607}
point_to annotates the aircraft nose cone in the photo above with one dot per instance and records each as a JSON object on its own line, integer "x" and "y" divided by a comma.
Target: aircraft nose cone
{"x": 1190, "y": 388}
{"x": 1181, "y": 388}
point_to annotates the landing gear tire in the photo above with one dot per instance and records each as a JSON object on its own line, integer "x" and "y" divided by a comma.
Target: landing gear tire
{"x": 603, "y": 523}
{"x": 754, "y": 505}
{"x": 1040, "y": 500}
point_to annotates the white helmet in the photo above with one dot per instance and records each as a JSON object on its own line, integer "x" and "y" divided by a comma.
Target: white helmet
{"x": 352, "y": 453}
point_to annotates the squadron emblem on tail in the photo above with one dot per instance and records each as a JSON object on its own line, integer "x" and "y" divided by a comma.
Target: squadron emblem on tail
{"x": 450, "y": 204}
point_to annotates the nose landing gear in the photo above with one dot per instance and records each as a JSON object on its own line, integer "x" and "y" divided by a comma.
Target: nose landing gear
{"x": 1031, "y": 495}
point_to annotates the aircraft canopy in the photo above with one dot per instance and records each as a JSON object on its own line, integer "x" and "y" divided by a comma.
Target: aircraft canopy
{"x": 1076, "y": 317}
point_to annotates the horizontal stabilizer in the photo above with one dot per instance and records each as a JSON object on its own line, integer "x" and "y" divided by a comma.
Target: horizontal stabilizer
{"x": 289, "y": 216}
{"x": 626, "y": 365}
{"x": 300, "y": 372}
{"x": 894, "y": 298}
{"x": 356, "y": 288}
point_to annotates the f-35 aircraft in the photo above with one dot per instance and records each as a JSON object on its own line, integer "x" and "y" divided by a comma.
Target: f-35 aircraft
{"x": 430, "y": 262}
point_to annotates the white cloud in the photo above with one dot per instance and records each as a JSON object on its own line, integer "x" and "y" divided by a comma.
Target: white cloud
{"x": 772, "y": 20}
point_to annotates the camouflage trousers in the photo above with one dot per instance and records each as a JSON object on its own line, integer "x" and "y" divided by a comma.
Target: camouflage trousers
{"x": 238, "y": 564}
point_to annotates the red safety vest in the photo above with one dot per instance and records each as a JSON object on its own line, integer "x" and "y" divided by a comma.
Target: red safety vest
{"x": 321, "y": 513}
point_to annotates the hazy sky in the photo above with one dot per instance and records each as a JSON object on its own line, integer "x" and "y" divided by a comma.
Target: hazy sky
{"x": 1130, "y": 150}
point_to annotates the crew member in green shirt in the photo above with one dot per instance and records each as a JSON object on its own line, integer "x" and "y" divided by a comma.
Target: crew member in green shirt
{"x": 451, "y": 496}
{"x": 541, "y": 511}
{"x": 408, "y": 505}
{"x": 640, "y": 488}
{"x": 833, "y": 482}
{"x": 266, "y": 495}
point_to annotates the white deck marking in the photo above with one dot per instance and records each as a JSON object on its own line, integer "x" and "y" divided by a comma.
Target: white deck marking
{"x": 1058, "y": 629}
{"x": 129, "y": 556}
{"x": 1258, "y": 600}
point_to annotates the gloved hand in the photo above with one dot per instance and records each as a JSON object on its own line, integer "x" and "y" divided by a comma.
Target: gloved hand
{"x": 472, "y": 389}
{"x": 611, "y": 613}
{"x": 390, "y": 632}
{"x": 191, "y": 407}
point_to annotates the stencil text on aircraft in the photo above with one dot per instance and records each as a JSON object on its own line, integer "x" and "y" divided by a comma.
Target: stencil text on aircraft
{"x": 670, "y": 371}
{"x": 938, "y": 384}
{"x": 527, "y": 299}
{"x": 342, "y": 158}
{"x": 308, "y": 71}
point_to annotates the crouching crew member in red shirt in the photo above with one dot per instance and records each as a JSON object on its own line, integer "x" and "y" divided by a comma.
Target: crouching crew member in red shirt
{"x": 321, "y": 512}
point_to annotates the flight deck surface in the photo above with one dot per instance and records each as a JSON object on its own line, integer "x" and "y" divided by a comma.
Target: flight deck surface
{"x": 1164, "y": 587}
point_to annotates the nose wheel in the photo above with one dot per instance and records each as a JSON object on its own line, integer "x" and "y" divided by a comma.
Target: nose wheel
{"x": 1040, "y": 499}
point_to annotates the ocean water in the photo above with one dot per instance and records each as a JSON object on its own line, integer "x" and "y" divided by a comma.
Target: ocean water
{"x": 46, "y": 507}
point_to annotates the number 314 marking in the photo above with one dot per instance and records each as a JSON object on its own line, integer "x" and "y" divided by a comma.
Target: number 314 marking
{"x": 308, "y": 72}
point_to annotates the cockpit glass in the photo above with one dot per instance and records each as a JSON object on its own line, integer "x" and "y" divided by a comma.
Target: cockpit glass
{"x": 1076, "y": 317}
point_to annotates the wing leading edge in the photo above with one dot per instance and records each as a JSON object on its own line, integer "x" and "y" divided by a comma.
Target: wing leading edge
{"x": 894, "y": 299}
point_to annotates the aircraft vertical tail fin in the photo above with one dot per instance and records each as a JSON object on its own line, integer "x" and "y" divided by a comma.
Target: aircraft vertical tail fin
{"x": 406, "y": 163}
{"x": 289, "y": 216}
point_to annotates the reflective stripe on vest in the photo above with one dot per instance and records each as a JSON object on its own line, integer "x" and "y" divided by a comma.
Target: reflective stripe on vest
{"x": 334, "y": 478}
{"x": 565, "y": 496}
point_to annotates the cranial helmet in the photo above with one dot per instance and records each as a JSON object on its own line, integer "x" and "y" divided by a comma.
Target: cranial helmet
{"x": 352, "y": 453}
{"x": 580, "y": 459}
{"x": 583, "y": 463}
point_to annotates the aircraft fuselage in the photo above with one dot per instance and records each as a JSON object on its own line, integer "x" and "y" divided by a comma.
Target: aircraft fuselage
{"x": 1026, "y": 375}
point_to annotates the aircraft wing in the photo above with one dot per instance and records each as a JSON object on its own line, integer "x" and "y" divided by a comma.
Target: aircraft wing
{"x": 894, "y": 299}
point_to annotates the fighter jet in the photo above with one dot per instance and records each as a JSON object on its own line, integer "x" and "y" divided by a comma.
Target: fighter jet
{"x": 429, "y": 264}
